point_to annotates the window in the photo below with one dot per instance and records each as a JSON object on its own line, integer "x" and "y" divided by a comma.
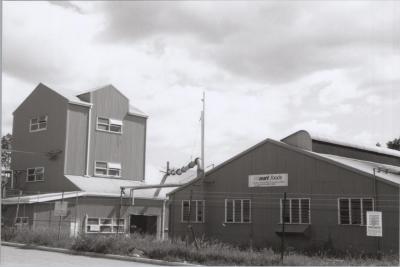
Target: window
{"x": 297, "y": 211}
{"x": 109, "y": 125}
{"x": 38, "y": 124}
{"x": 105, "y": 225}
{"x": 35, "y": 174}
{"x": 107, "y": 169}
{"x": 353, "y": 211}
{"x": 21, "y": 221}
{"x": 237, "y": 210}
{"x": 193, "y": 210}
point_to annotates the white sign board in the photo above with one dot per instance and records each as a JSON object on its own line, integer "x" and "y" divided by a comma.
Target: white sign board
{"x": 60, "y": 208}
{"x": 374, "y": 223}
{"x": 267, "y": 180}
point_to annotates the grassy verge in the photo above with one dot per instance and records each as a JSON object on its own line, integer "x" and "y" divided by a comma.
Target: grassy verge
{"x": 209, "y": 253}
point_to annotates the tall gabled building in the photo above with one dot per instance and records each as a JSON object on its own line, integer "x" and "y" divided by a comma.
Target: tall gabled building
{"x": 61, "y": 138}
{"x": 80, "y": 149}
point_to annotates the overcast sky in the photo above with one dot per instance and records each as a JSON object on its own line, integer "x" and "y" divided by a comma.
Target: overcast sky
{"x": 268, "y": 68}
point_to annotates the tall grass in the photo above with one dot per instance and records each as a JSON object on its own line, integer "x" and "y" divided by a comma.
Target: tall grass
{"x": 208, "y": 253}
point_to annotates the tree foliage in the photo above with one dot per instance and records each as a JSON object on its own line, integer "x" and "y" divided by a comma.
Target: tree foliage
{"x": 6, "y": 155}
{"x": 394, "y": 144}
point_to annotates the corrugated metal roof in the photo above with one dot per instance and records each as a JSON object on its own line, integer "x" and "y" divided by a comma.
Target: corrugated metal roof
{"x": 113, "y": 186}
{"x": 71, "y": 96}
{"x": 67, "y": 195}
{"x": 135, "y": 111}
{"x": 41, "y": 197}
{"x": 375, "y": 149}
{"x": 392, "y": 174}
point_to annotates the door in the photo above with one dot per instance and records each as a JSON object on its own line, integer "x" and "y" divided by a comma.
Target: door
{"x": 143, "y": 224}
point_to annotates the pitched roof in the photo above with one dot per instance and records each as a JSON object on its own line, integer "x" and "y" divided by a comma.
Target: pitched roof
{"x": 384, "y": 171}
{"x": 137, "y": 112}
{"x": 359, "y": 166}
{"x": 132, "y": 109}
{"x": 59, "y": 195}
{"x": 113, "y": 186}
{"x": 71, "y": 96}
{"x": 332, "y": 140}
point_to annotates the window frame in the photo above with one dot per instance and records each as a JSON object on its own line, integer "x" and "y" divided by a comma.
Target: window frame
{"x": 34, "y": 174}
{"x": 107, "y": 169}
{"x": 37, "y": 123}
{"x": 109, "y": 124}
{"x": 300, "y": 210}
{"x": 21, "y": 221}
{"x": 113, "y": 225}
{"x": 196, "y": 214}
{"x": 361, "y": 199}
{"x": 234, "y": 210}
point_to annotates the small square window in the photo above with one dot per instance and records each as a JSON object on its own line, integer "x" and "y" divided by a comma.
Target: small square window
{"x": 113, "y": 172}
{"x": 102, "y": 127}
{"x": 35, "y": 174}
{"x": 38, "y": 124}
{"x": 115, "y": 128}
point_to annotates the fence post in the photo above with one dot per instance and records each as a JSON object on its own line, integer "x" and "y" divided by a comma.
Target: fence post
{"x": 76, "y": 215}
{"x": 283, "y": 227}
{"x": 17, "y": 209}
{"x": 59, "y": 222}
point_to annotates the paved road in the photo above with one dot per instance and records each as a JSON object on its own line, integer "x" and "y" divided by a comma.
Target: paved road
{"x": 17, "y": 257}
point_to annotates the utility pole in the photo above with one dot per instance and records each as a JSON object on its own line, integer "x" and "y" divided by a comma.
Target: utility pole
{"x": 374, "y": 207}
{"x": 202, "y": 132}
{"x": 283, "y": 226}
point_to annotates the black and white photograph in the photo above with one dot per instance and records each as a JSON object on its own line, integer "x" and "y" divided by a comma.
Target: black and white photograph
{"x": 189, "y": 133}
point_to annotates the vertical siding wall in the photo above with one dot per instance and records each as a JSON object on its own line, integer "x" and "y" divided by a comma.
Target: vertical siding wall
{"x": 309, "y": 177}
{"x": 42, "y": 101}
{"x": 75, "y": 163}
{"x": 126, "y": 148}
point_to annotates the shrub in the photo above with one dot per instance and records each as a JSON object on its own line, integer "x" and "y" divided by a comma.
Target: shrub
{"x": 210, "y": 252}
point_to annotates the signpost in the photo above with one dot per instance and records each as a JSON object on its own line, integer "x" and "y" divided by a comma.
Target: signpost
{"x": 374, "y": 223}
{"x": 272, "y": 180}
{"x": 60, "y": 208}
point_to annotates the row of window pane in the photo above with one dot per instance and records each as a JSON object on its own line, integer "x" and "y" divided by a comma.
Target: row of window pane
{"x": 35, "y": 174}
{"x": 354, "y": 210}
{"x": 297, "y": 210}
{"x": 38, "y": 123}
{"x": 194, "y": 210}
{"x": 107, "y": 169}
{"x": 109, "y": 125}
{"x": 105, "y": 225}
{"x": 237, "y": 210}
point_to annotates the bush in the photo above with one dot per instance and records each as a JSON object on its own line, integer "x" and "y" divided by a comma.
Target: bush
{"x": 209, "y": 252}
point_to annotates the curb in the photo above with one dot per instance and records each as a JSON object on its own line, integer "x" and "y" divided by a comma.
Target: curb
{"x": 96, "y": 255}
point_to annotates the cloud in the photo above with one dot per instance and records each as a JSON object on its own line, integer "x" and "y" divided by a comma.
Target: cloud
{"x": 268, "y": 41}
{"x": 68, "y": 5}
{"x": 268, "y": 68}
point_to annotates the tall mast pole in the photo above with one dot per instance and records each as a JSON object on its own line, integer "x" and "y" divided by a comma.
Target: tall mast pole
{"x": 202, "y": 132}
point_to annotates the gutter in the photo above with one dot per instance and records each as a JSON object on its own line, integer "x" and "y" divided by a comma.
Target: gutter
{"x": 88, "y": 137}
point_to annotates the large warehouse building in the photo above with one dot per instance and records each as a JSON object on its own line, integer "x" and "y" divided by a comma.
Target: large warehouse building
{"x": 330, "y": 186}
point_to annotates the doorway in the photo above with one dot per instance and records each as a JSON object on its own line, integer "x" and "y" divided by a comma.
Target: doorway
{"x": 143, "y": 224}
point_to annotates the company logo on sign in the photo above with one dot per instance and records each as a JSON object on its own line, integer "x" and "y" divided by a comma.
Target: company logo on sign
{"x": 266, "y": 180}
